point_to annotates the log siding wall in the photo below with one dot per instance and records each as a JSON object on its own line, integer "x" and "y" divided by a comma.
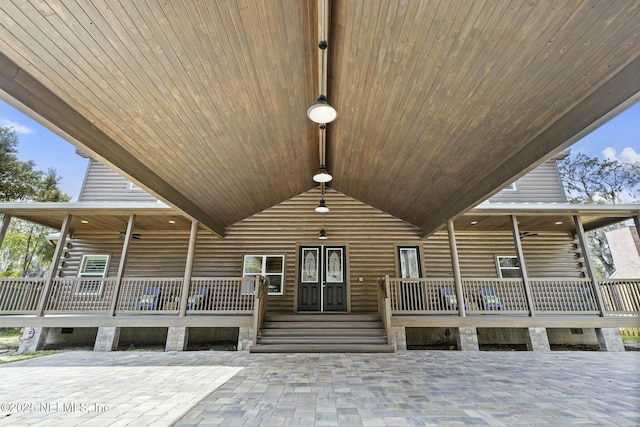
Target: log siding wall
{"x": 370, "y": 235}
{"x": 541, "y": 185}
{"x": 101, "y": 184}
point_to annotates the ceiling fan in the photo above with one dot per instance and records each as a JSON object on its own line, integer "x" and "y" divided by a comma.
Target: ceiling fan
{"x": 123, "y": 234}
{"x": 527, "y": 234}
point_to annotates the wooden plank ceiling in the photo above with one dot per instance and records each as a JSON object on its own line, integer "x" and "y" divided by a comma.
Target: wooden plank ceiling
{"x": 203, "y": 103}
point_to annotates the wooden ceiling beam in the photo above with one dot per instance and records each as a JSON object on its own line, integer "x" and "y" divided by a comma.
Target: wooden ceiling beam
{"x": 44, "y": 104}
{"x": 616, "y": 94}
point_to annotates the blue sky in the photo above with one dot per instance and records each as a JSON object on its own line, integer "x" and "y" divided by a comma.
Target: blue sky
{"x": 619, "y": 138}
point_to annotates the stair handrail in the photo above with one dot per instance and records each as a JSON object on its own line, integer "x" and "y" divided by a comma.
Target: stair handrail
{"x": 384, "y": 305}
{"x": 261, "y": 294}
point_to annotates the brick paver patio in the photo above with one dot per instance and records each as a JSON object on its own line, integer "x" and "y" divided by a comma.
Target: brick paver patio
{"x": 415, "y": 388}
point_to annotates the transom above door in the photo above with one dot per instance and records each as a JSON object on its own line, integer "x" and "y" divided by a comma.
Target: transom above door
{"x": 322, "y": 282}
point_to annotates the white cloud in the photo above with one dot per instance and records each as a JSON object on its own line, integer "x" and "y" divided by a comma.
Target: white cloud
{"x": 627, "y": 155}
{"x": 609, "y": 153}
{"x": 21, "y": 129}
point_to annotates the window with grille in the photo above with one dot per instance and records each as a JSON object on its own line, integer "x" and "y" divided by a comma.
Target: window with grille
{"x": 92, "y": 266}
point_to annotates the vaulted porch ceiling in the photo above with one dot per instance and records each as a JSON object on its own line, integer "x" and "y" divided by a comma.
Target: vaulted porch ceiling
{"x": 439, "y": 104}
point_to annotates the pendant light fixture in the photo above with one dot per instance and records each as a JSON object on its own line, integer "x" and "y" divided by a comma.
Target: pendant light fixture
{"x": 322, "y": 207}
{"x": 322, "y": 175}
{"x": 323, "y": 232}
{"x": 321, "y": 112}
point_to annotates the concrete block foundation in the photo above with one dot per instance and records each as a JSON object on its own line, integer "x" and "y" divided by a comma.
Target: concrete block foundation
{"x": 177, "y": 338}
{"x": 537, "y": 339}
{"x": 468, "y": 339}
{"x": 107, "y": 339}
{"x": 609, "y": 339}
{"x": 33, "y": 339}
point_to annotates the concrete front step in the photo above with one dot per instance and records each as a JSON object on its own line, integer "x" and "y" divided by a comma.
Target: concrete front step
{"x": 371, "y": 332}
{"x": 326, "y": 340}
{"x": 322, "y": 325}
{"x": 322, "y": 333}
{"x": 322, "y": 348}
{"x": 288, "y": 317}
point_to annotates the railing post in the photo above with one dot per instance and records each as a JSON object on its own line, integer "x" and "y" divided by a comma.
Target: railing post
{"x": 523, "y": 266}
{"x": 457, "y": 277}
{"x": 257, "y": 307}
{"x": 66, "y": 225}
{"x": 6, "y": 219}
{"x": 122, "y": 265}
{"x": 584, "y": 245}
{"x": 188, "y": 269}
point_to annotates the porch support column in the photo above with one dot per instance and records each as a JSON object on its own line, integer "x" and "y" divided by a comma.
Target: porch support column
{"x": 188, "y": 269}
{"x": 584, "y": 246}
{"x": 523, "y": 266}
{"x": 66, "y": 225}
{"x": 6, "y": 219}
{"x": 468, "y": 339}
{"x": 609, "y": 339}
{"x": 457, "y": 277}
{"x": 636, "y": 221}
{"x": 123, "y": 263}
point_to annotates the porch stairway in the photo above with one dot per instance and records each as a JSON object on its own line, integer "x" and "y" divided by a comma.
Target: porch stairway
{"x": 322, "y": 333}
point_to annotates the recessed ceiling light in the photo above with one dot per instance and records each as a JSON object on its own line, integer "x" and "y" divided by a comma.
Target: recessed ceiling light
{"x": 558, "y": 222}
{"x": 171, "y": 221}
{"x": 84, "y": 221}
{"x": 474, "y": 222}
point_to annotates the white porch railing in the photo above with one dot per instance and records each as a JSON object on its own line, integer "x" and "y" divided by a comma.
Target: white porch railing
{"x": 620, "y": 296}
{"x": 149, "y": 295}
{"x": 558, "y": 296}
{"x": 84, "y": 295}
{"x": 420, "y": 296}
{"x": 495, "y": 296}
{"x": 508, "y": 297}
{"x": 20, "y": 295}
{"x": 221, "y": 295}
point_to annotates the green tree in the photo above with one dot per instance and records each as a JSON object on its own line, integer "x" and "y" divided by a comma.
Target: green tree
{"x": 592, "y": 180}
{"x": 26, "y": 251}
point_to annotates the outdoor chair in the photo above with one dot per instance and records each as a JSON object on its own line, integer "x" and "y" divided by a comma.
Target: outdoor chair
{"x": 195, "y": 300}
{"x": 450, "y": 299}
{"x": 148, "y": 300}
{"x": 489, "y": 301}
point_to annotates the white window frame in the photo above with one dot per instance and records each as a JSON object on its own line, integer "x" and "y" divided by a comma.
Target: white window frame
{"x": 80, "y": 289}
{"x": 263, "y": 271}
{"x": 133, "y": 186}
{"x": 500, "y": 268}
{"x": 511, "y": 187}
{"x": 416, "y": 248}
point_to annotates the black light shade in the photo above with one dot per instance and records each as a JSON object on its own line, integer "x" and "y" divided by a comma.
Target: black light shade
{"x": 323, "y": 234}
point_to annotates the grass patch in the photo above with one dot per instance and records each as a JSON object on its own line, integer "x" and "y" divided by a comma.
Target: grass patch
{"x": 12, "y": 356}
{"x": 9, "y": 338}
{"x": 629, "y": 338}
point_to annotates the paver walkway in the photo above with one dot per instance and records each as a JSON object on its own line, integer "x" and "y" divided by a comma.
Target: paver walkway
{"x": 415, "y": 388}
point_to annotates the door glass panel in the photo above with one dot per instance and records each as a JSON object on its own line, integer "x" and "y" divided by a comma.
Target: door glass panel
{"x": 409, "y": 264}
{"x": 310, "y": 265}
{"x": 334, "y": 266}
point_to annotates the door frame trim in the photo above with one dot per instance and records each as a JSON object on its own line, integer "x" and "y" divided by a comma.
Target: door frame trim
{"x": 347, "y": 254}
